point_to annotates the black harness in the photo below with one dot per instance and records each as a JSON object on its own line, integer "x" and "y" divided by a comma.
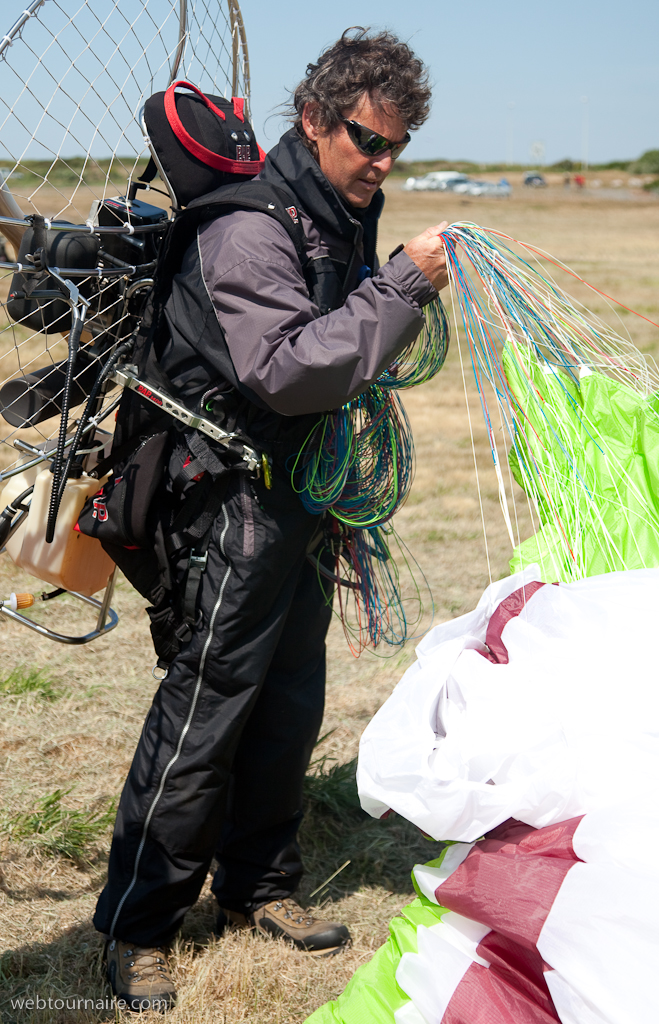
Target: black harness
{"x": 154, "y": 516}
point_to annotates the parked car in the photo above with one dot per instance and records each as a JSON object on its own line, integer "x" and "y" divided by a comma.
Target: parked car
{"x": 533, "y": 179}
{"x": 453, "y": 181}
{"x": 500, "y": 188}
{"x": 438, "y": 181}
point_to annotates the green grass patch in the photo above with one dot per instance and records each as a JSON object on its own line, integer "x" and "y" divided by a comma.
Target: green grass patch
{"x": 53, "y": 829}
{"x": 332, "y": 790}
{"x": 335, "y": 830}
{"x": 22, "y": 681}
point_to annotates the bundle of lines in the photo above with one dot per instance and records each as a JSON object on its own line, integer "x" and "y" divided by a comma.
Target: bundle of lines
{"x": 576, "y": 405}
{"x": 357, "y": 465}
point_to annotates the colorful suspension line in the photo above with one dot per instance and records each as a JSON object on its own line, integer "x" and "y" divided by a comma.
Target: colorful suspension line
{"x": 361, "y": 469}
{"x": 577, "y": 404}
{"x": 358, "y": 465}
{"x": 375, "y": 575}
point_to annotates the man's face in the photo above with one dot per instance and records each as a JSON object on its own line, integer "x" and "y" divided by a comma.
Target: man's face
{"x": 353, "y": 174}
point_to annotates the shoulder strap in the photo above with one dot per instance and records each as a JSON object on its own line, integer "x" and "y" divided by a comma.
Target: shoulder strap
{"x": 320, "y": 273}
{"x": 274, "y": 200}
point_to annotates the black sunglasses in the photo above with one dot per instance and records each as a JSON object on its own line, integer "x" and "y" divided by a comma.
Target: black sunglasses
{"x": 371, "y": 142}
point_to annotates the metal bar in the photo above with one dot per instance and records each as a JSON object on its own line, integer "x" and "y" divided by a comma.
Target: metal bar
{"x": 169, "y": 405}
{"x": 179, "y": 412}
{"x": 235, "y": 41}
{"x": 93, "y": 422}
{"x": 105, "y": 605}
{"x": 97, "y": 272}
{"x": 18, "y": 25}
{"x": 62, "y": 638}
{"x": 16, "y": 525}
{"x": 237, "y": 21}
{"x": 8, "y": 206}
{"x": 146, "y": 282}
{"x": 29, "y": 449}
{"x": 182, "y": 39}
{"x": 21, "y": 469}
{"x": 89, "y": 228}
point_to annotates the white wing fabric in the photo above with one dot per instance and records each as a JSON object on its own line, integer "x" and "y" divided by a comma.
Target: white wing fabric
{"x": 528, "y": 731}
{"x": 568, "y": 725}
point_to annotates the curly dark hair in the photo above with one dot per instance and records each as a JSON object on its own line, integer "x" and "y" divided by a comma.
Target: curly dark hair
{"x": 380, "y": 65}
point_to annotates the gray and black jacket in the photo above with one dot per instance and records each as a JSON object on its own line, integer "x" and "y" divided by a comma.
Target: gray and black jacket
{"x": 288, "y": 353}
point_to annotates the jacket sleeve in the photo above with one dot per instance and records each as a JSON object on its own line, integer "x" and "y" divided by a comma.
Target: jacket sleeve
{"x": 296, "y": 360}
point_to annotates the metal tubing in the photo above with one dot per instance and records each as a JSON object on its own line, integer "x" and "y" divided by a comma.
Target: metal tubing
{"x": 46, "y": 456}
{"x": 105, "y": 604}
{"x": 10, "y": 208}
{"x": 97, "y": 272}
{"x": 62, "y": 638}
{"x": 18, "y": 25}
{"x": 88, "y": 228}
{"x": 239, "y": 40}
{"x": 146, "y": 282}
{"x": 182, "y": 39}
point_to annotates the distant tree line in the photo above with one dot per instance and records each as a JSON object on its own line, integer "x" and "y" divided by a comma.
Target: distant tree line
{"x": 648, "y": 163}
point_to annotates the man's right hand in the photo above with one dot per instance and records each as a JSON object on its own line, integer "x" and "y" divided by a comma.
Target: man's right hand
{"x": 427, "y": 251}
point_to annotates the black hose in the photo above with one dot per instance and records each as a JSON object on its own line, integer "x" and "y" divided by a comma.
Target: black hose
{"x": 84, "y": 419}
{"x": 7, "y": 517}
{"x": 58, "y": 461}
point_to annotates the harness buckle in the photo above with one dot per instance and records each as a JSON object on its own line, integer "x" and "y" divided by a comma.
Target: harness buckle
{"x": 252, "y": 459}
{"x": 198, "y": 561}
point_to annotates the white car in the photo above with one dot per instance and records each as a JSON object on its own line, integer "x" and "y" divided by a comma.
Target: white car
{"x": 501, "y": 188}
{"x": 438, "y": 181}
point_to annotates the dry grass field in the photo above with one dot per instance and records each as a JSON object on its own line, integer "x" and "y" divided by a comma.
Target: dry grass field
{"x": 68, "y": 733}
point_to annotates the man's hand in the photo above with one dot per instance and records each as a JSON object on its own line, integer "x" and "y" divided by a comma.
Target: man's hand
{"x": 427, "y": 251}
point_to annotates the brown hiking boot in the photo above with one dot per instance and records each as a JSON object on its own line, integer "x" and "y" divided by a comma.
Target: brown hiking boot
{"x": 286, "y": 919}
{"x": 139, "y": 975}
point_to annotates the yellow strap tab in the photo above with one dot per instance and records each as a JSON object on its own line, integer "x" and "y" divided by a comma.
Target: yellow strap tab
{"x": 267, "y": 472}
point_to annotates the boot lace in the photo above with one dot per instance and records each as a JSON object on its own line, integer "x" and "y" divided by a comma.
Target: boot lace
{"x": 294, "y": 912}
{"x": 149, "y": 962}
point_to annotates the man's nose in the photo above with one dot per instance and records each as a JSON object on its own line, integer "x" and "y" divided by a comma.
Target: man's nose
{"x": 383, "y": 163}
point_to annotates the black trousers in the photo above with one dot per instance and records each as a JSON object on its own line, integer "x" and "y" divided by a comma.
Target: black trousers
{"x": 221, "y": 760}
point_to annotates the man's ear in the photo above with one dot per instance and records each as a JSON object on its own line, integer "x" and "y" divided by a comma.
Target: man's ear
{"x": 310, "y": 121}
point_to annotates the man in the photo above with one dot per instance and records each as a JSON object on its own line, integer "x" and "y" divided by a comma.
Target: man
{"x": 220, "y": 764}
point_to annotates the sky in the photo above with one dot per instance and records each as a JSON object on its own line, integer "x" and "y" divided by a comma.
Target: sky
{"x": 518, "y": 81}
{"x": 506, "y": 74}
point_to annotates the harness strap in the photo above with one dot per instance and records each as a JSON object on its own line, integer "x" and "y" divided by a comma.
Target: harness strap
{"x": 274, "y": 200}
{"x": 149, "y": 172}
{"x": 198, "y": 512}
{"x": 196, "y": 569}
{"x": 184, "y": 529}
{"x": 199, "y": 557}
{"x": 186, "y": 474}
